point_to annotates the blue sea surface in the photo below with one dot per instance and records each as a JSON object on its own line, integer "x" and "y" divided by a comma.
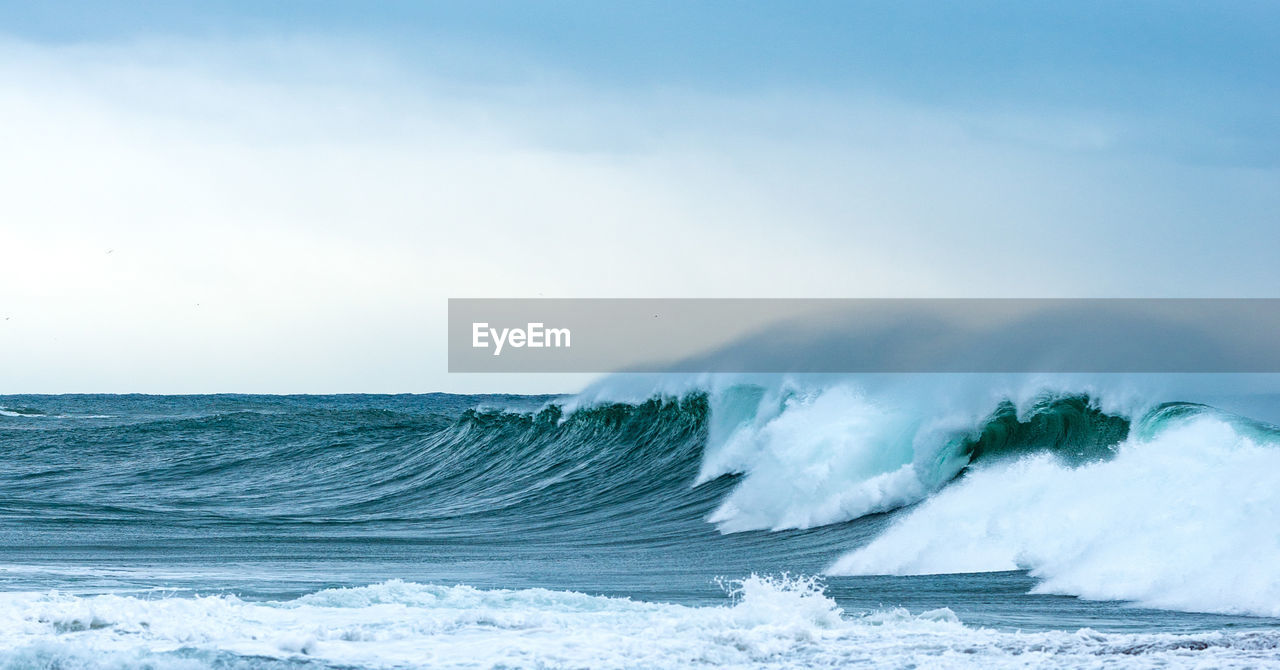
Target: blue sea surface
{"x": 111, "y": 505}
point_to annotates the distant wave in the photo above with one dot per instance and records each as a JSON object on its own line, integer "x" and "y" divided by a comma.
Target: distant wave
{"x": 778, "y": 622}
{"x": 20, "y": 411}
{"x": 34, "y": 413}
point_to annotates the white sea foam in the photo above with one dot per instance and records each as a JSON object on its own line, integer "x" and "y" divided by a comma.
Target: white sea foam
{"x": 1185, "y": 519}
{"x": 822, "y": 450}
{"x": 827, "y": 456}
{"x": 773, "y": 623}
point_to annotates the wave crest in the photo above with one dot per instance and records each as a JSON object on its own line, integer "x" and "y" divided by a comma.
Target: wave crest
{"x": 814, "y": 457}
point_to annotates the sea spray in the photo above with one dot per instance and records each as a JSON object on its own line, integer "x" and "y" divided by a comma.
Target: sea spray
{"x": 1183, "y": 517}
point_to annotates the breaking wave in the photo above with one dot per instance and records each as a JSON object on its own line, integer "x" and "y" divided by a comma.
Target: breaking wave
{"x": 1101, "y": 490}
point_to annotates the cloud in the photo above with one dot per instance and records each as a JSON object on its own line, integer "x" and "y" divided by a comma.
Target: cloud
{"x": 291, "y": 215}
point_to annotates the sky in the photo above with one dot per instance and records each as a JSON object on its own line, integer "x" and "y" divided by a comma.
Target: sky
{"x": 280, "y": 197}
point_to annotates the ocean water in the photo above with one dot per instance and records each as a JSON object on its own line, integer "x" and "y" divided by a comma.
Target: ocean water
{"x": 731, "y": 525}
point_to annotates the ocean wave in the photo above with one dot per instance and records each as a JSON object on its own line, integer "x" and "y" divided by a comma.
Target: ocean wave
{"x": 535, "y": 473}
{"x": 772, "y": 622}
{"x": 1101, "y": 489}
{"x": 1099, "y": 492}
{"x": 1183, "y": 517}
{"x": 34, "y": 413}
{"x": 814, "y": 455}
{"x": 20, "y": 411}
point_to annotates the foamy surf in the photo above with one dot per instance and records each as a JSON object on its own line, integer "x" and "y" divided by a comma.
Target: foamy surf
{"x": 771, "y": 622}
{"x": 1182, "y": 519}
